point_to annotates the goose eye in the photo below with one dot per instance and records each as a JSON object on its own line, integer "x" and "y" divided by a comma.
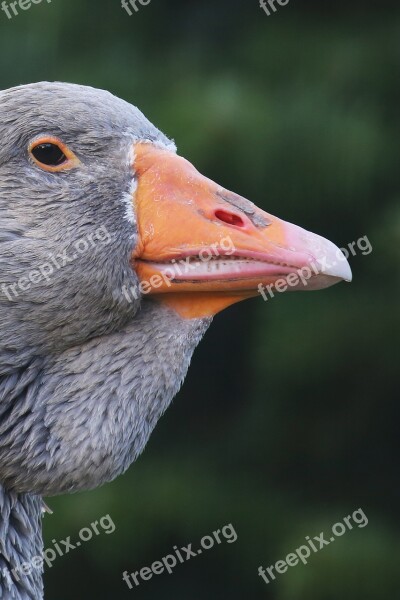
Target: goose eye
{"x": 49, "y": 154}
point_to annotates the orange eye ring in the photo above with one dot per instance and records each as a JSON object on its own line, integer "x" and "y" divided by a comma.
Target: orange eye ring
{"x": 52, "y": 155}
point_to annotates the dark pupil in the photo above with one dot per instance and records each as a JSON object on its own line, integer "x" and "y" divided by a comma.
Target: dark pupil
{"x": 49, "y": 154}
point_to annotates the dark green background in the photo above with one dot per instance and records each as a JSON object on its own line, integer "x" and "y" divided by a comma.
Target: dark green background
{"x": 288, "y": 419}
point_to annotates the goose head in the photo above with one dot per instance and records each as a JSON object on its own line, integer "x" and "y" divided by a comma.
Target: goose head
{"x": 115, "y": 254}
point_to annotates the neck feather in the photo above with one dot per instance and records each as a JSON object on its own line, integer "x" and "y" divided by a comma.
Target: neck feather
{"x": 84, "y": 415}
{"x": 21, "y": 546}
{"x": 78, "y": 419}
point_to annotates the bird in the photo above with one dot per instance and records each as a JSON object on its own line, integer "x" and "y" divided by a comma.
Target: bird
{"x": 115, "y": 255}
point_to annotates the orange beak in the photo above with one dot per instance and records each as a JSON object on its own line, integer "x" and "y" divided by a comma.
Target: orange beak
{"x": 202, "y": 248}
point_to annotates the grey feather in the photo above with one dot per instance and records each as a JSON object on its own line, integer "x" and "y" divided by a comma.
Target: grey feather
{"x": 84, "y": 373}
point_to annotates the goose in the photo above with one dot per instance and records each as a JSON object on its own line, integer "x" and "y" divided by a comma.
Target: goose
{"x": 115, "y": 255}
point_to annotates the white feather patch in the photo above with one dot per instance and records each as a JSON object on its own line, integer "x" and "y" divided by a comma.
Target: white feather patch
{"x": 170, "y": 146}
{"x": 128, "y": 199}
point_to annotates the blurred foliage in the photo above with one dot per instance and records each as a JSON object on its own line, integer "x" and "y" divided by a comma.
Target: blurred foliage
{"x": 288, "y": 419}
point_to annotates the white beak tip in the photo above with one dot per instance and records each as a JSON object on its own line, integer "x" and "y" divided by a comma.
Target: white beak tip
{"x": 330, "y": 258}
{"x": 340, "y": 270}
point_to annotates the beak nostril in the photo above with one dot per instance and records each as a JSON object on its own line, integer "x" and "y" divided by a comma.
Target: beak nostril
{"x": 229, "y": 218}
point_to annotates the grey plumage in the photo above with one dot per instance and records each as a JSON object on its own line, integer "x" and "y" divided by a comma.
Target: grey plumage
{"x": 20, "y": 542}
{"x": 84, "y": 372}
{"x": 94, "y": 405}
